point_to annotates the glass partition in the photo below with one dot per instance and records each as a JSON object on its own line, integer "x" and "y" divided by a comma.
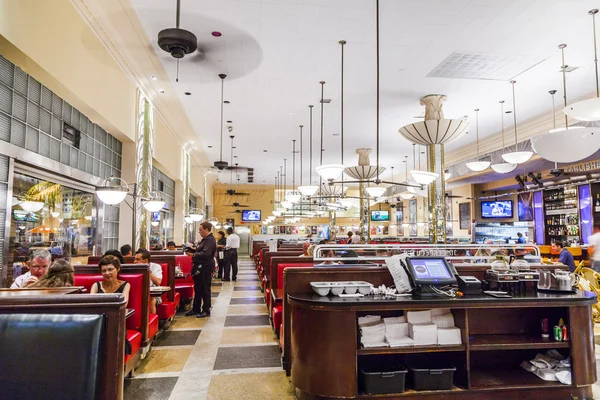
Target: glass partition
{"x": 50, "y": 216}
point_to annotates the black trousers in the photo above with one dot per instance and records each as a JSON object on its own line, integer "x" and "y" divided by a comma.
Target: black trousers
{"x": 231, "y": 258}
{"x": 202, "y": 289}
{"x": 222, "y": 264}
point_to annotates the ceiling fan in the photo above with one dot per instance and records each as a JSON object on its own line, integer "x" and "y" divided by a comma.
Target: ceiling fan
{"x": 236, "y": 204}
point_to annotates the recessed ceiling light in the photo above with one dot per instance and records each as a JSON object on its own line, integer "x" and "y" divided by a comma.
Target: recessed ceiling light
{"x": 234, "y": 156}
{"x": 336, "y": 134}
{"x": 210, "y": 147}
{"x": 161, "y": 90}
{"x": 188, "y": 93}
{"x": 226, "y": 102}
{"x": 234, "y": 147}
{"x": 290, "y": 113}
{"x": 195, "y": 147}
{"x": 153, "y": 77}
{"x": 264, "y": 151}
{"x": 216, "y": 34}
{"x": 230, "y": 122}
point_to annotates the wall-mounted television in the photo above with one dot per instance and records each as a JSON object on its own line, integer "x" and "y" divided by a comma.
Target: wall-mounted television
{"x": 251, "y": 215}
{"x": 380, "y": 215}
{"x": 497, "y": 209}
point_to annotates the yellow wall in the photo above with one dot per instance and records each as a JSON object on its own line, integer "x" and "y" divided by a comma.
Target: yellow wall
{"x": 466, "y": 191}
{"x": 167, "y": 152}
{"x": 70, "y": 60}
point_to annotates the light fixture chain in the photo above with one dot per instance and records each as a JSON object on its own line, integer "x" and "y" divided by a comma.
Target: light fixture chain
{"x": 477, "y": 130}
{"x": 310, "y": 107}
{"x": 593, "y": 14}
{"x": 564, "y": 74}
{"x": 301, "y": 153}
{"x": 502, "y": 119}
{"x": 377, "y": 40}
{"x": 514, "y": 114}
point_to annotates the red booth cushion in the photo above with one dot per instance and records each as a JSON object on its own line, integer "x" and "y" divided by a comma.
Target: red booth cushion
{"x": 152, "y": 325}
{"x": 135, "y": 294}
{"x": 185, "y": 263}
{"x": 277, "y": 316}
{"x": 135, "y": 338}
{"x": 282, "y": 267}
{"x": 177, "y": 299}
{"x": 185, "y": 290}
{"x": 165, "y": 310}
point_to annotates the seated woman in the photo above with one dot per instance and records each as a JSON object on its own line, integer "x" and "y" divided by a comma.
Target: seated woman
{"x": 59, "y": 274}
{"x": 109, "y": 267}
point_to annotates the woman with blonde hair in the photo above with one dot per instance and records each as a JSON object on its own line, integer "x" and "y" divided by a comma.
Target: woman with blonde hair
{"x": 59, "y": 274}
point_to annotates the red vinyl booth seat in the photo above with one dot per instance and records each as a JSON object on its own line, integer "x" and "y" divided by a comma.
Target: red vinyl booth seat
{"x": 166, "y": 309}
{"x": 152, "y": 325}
{"x": 135, "y": 338}
{"x": 277, "y": 316}
{"x": 184, "y": 287}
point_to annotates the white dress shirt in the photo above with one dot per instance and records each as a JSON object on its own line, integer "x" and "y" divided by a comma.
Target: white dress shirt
{"x": 233, "y": 242}
{"x": 20, "y": 281}
{"x": 355, "y": 239}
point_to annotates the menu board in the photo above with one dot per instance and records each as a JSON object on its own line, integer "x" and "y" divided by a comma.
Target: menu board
{"x": 464, "y": 214}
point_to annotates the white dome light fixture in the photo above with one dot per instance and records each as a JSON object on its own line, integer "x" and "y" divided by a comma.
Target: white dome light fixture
{"x": 477, "y": 166}
{"x": 55, "y": 214}
{"x": 293, "y": 196}
{"x": 286, "y": 204}
{"x": 154, "y": 223}
{"x": 31, "y": 206}
{"x": 504, "y": 167}
{"x": 214, "y": 222}
{"x": 308, "y": 190}
{"x": 516, "y": 157}
{"x": 447, "y": 175}
{"x": 112, "y": 191}
{"x": 587, "y": 110}
{"x": 330, "y": 171}
{"x": 406, "y": 195}
{"x": 196, "y": 215}
{"x": 346, "y": 202}
{"x": 423, "y": 177}
{"x": 188, "y": 219}
{"x": 375, "y": 191}
{"x": 568, "y": 144}
{"x": 155, "y": 202}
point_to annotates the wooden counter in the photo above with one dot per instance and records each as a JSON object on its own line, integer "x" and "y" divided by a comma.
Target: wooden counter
{"x": 497, "y": 334}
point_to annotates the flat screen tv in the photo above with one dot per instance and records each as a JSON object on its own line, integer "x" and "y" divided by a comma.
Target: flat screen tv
{"x": 497, "y": 209}
{"x": 251, "y": 215}
{"x": 380, "y": 215}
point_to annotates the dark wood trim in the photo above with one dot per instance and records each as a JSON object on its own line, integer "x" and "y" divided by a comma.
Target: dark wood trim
{"x": 110, "y": 305}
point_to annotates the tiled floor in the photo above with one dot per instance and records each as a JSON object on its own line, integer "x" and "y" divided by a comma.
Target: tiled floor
{"x": 231, "y": 355}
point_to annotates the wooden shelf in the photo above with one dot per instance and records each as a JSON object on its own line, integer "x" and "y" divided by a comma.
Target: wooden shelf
{"x": 409, "y": 393}
{"x": 508, "y": 378}
{"x": 513, "y": 342}
{"x": 409, "y": 349}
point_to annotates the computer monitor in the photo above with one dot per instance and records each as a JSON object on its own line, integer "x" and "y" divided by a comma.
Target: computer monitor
{"x": 430, "y": 271}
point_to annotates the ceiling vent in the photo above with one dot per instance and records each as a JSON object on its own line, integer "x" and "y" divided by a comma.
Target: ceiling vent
{"x": 497, "y": 67}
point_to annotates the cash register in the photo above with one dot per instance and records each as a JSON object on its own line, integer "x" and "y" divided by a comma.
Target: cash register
{"x": 429, "y": 274}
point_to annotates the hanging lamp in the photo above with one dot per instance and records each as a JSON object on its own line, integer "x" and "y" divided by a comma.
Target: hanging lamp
{"x": 423, "y": 177}
{"x": 516, "y": 157}
{"x": 588, "y": 110}
{"x": 221, "y": 165}
{"x": 328, "y": 172}
{"x": 504, "y": 167}
{"x": 568, "y": 144}
{"x": 477, "y": 166}
{"x": 293, "y": 196}
{"x": 406, "y": 195}
{"x": 310, "y": 189}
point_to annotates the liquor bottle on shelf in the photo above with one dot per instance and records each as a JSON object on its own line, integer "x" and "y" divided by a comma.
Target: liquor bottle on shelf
{"x": 598, "y": 200}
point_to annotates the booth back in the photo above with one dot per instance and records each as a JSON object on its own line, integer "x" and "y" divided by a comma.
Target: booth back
{"x": 61, "y": 346}
{"x": 267, "y": 257}
{"x": 185, "y": 263}
{"x": 277, "y": 271}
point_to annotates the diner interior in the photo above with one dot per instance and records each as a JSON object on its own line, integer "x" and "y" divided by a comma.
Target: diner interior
{"x": 403, "y": 196}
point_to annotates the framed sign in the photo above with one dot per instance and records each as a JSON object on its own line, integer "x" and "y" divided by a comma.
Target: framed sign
{"x": 448, "y": 199}
{"x": 412, "y": 217}
{"x": 525, "y": 206}
{"x": 464, "y": 215}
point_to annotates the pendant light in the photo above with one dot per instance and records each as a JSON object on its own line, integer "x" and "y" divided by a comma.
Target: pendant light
{"x": 423, "y": 177}
{"x": 477, "y": 166}
{"x": 406, "y": 195}
{"x": 516, "y": 157}
{"x": 327, "y": 171}
{"x": 220, "y": 165}
{"x": 503, "y": 168}
{"x": 293, "y": 196}
{"x": 309, "y": 189}
{"x": 568, "y": 144}
{"x": 588, "y": 110}
{"x": 414, "y": 186}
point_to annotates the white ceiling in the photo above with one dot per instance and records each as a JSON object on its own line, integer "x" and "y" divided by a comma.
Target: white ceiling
{"x": 276, "y": 52}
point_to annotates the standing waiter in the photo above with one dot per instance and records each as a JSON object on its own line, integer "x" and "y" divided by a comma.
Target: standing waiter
{"x": 203, "y": 264}
{"x": 231, "y": 255}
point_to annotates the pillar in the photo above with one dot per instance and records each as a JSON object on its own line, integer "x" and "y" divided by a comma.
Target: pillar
{"x": 143, "y": 171}
{"x": 436, "y": 195}
{"x": 182, "y": 201}
{"x": 332, "y": 228}
{"x": 365, "y": 218}
{"x": 392, "y": 225}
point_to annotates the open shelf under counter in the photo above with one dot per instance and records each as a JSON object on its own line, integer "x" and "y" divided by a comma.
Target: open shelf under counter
{"x": 412, "y": 392}
{"x": 507, "y": 378}
{"x": 513, "y": 342}
{"x": 409, "y": 349}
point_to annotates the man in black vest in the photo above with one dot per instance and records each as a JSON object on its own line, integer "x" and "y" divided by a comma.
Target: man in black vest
{"x": 203, "y": 264}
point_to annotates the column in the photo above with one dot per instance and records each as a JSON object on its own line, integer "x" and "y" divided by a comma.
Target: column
{"x": 332, "y": 228}
{"x": 437, "y": 198}
{"x": 365, "y": 218}
{"x": 143, "y": 171}
{"x": 182, "y": 201}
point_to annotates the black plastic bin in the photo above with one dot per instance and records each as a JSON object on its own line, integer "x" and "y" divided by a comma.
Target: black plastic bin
{"x": 428, "y": 375}
{"x": 382, "y": 379}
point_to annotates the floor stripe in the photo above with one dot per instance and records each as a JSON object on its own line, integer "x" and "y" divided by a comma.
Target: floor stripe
{"x": 246, "y": 371}
{"x": 249, "y": 344}
{"x": 151, "y": 375}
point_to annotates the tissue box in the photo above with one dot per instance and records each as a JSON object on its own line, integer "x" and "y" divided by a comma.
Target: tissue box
{"x": 423, "y": 334}
{"x": 449, "y": 336}
{"x": 419, "y": 317}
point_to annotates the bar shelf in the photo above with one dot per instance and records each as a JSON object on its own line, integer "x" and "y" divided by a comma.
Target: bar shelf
{"x": 513, "y": 342}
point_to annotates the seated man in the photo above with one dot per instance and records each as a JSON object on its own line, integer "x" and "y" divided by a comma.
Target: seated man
{"x": 565, "y": 257}
{"x": 142, "y": 256}
{"x": 39, "y": 261}
{"x": 171, "y": 246}
{"x": 126, "y": 250}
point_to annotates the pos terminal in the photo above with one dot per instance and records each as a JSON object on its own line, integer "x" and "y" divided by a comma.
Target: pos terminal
{"x": 429, "y": 274}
